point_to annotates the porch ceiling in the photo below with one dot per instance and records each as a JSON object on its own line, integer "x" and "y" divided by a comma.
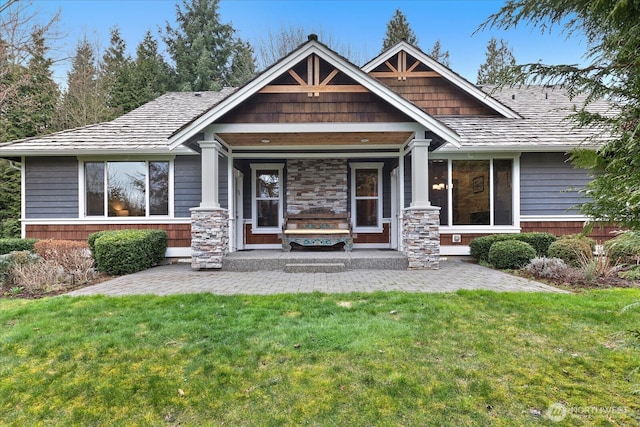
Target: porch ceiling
{"x": 315, "y": 138}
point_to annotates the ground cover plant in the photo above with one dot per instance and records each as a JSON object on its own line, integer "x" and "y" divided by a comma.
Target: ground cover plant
{"x": 466, "y": 358}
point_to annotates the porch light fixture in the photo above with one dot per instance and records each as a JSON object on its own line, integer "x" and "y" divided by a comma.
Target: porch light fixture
{"x": 265, "y": 141}
{"x": 364, "y": 140}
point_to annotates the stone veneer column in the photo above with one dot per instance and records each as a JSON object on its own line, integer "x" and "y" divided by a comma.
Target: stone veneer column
{"x": 421, "y": 237}
{"x": 209, "y": 237}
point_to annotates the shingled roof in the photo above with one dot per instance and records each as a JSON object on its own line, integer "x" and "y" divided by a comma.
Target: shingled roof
{"x": 144, "y": 130}
{"x": 545, "y": 125}
{"x": 147, "y": 129}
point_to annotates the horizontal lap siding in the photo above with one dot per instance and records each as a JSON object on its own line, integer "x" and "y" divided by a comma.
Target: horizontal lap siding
{"x": 51, "y": 186}
{"x": 179, "y": 235}
{"x": 548, "y": 184}
{"x": 187, "y": 185}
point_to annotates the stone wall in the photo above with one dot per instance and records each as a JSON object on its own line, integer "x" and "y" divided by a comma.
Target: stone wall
{"x": 316, "y": 183}
{"x": 421, "y": 237}
{"x": 209, "y": 237}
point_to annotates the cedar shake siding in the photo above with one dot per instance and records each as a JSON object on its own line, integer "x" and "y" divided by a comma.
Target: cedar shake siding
{"x": 428, "y": 90}
{"x": 549, "y": 183}
{"x": 326, "y": 108}
{"x": 179, "y": 235}
{"x": 51, "y": 187}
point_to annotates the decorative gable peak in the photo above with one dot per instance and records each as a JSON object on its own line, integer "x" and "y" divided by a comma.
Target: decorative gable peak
{"x": 314, "y": 76}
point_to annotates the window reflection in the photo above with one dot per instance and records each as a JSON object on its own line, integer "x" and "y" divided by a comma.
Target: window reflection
{"x": 125, "y": 186}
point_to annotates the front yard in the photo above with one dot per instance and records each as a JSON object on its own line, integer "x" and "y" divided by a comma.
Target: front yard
{"x": 469, "y": 358}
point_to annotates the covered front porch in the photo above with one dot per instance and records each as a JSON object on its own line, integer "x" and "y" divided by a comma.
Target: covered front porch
{"x": 382, "y": 190}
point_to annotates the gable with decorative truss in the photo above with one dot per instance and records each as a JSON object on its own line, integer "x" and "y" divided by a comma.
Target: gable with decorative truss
{"x": 314, "y": 91}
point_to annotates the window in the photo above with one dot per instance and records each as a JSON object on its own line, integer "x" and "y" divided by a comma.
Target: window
{"x": 366, "y": 190}
{"x": 267, "y": 197}
{"x": 472, "y": 192}
{"x": 126, "y": 189}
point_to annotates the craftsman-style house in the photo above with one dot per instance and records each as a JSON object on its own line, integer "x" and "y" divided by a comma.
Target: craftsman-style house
{"x": 419, "y": 159}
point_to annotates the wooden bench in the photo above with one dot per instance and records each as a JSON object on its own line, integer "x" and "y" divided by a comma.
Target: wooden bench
{"x": 316, "y": 230}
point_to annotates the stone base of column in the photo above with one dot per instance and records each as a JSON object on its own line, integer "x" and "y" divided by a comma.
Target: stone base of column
{"x": 209, "y": 237}
{"x": 421, "y": 237}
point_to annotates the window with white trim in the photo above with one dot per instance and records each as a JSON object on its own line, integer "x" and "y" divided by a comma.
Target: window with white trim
{"x": 126, "y": 188}
{"x": 472, "y": 192}
{"x": 366, "y": 196}
{"x": 266, "y": 195}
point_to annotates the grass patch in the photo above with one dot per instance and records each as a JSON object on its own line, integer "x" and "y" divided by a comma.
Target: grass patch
{"x": 469, "y": 358}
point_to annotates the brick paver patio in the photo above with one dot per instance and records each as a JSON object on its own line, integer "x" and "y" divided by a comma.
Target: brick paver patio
{"x": 180, "y": 278}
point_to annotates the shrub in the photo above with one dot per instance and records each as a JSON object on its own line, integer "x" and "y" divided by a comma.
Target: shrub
{"x": 127, "y": 251}
{"x": 16, "y": 245}
{"x": 73, "y": 256}
{"x": 12, "y": 259}
{"x": 572, "y": 250}
{"x": 547, "y": 268}
{"x": 624, "y": 248}
{"x": 510, "y": 254}
{"x": 539, "y": 241}
{"x": 37, "y": 276}
{"x": 480, "y": 246}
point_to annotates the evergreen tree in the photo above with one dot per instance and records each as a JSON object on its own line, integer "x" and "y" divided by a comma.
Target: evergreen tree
{"x": 439, "y": 55}
{"x": 31, "y": 95}
{"x": 151, "y": 75}
{"x": 398, "y": 29}
{"x": 204, "y": 49}
{"x": 243, "y": 67}
{"x": 612, "y": 72}
{"x": 83, "y": 103}
{"x": 9, "y": 199}
{"x": 114, "y": 78}
{"x": 499, "y": 60}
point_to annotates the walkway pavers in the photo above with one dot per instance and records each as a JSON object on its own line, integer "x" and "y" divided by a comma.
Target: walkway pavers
{"x": 180, "y": 278}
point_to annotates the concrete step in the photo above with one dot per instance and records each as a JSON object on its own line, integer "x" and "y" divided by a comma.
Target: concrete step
{"x": 316, "y": 267}
{"x": 275, "y": 260}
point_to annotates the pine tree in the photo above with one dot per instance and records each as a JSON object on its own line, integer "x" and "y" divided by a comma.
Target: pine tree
{"x": 499, "y": 60}
{"x": 398, "y": 29}
{"x": 151, "y": 75}
{"x": 83, "y": 103}
{"x": 439, "y": 55}
{"x": 114, "y": 78}
{"x": 204, "y": 49}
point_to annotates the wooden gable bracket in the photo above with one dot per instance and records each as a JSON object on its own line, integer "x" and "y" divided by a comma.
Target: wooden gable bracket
{"x": 401, "y": 72}
{"x": 312, "y": 86}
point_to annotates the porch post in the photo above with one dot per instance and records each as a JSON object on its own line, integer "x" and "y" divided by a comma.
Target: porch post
{"x": 209, "y": 156}
{"x": 209, "y": 222}
{"x": 419, "y": 149}
{"x": 421, "y": 220}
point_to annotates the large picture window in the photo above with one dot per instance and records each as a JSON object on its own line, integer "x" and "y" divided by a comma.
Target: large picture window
{"x": 366, "y": 190}
{"x": 267, "y": 197}
{"x": 126, "y": 189}
{"x": 472, "y": 192}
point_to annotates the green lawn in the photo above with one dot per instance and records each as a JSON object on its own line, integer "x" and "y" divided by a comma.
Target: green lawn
{"x": 469, "y": 358}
